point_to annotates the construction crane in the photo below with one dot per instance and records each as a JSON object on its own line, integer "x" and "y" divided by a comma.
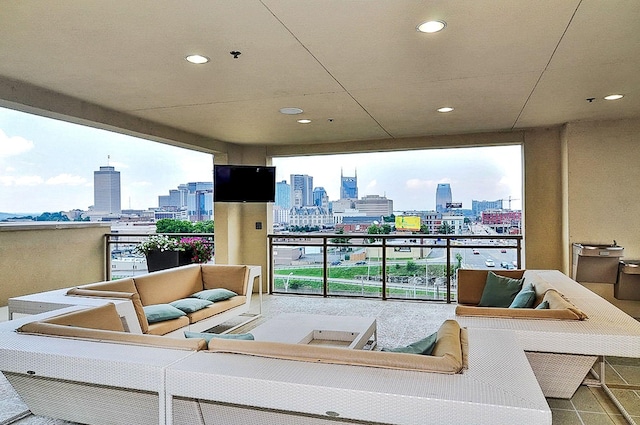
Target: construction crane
{"x": 508, "y": 199}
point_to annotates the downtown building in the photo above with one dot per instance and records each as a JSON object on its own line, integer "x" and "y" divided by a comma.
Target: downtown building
{"x": 443, "y": 197}
{"x": 106, "y": 192}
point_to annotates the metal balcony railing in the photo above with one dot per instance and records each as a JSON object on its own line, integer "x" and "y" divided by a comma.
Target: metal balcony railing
{"x": 122, "y": 259}
{"x": 408, "y": 267}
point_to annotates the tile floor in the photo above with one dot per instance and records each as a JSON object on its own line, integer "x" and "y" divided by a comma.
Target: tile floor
{"x": 399, "y": 323}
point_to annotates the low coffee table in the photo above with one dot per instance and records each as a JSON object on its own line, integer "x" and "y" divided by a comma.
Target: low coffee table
{"x": 338, "y": 331}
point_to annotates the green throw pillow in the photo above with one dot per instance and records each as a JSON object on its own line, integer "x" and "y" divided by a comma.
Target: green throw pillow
{"x": 189, "y": 305}
{"x": 209, "y": 336}
{"x": 543, "y": 305}
{"x": 218, "y": 294}
{"x": 525, "y": 298}
{"x": 424, "y": 346}
{"x": 161, "y": 312}
{"x": 499, "y": 291}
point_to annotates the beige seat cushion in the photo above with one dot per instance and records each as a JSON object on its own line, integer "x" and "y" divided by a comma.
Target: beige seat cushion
{"x": 166, "y": 326}
{"x": 215, "y": 308}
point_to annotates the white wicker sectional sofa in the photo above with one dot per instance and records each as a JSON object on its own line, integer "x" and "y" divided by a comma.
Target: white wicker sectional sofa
{"x": 91, "y": 375}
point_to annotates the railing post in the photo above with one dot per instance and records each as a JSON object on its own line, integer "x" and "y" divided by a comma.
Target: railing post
{"x": 325, "y": 277}
{"x": 383, "y": 272}
{"x": 448, "y": 270}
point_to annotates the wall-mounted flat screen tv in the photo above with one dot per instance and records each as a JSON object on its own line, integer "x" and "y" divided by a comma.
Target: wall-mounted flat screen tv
{"x": 244, "y": 183}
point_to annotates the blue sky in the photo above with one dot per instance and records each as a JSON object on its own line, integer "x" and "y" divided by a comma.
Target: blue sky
{"x": 48, "y": 165}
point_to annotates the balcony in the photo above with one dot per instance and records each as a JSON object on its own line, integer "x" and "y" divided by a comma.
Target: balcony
{"x": 400, "y": 267}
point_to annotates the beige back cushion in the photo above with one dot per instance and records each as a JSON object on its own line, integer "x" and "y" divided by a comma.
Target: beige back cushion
{"x": 233, "y": 278}
{"x": 169, "y": 285}
{"x": 120, "y": 288}
{"x": 105, "y": 317}
{"x": 447, "y": 356}
{"x": 471, "y": 283}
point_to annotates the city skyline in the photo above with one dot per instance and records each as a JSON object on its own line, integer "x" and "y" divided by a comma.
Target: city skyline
{"x": 47, "y": 165}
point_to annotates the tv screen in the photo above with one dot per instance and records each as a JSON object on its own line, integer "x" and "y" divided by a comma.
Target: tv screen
{"x": 244, "y": 183}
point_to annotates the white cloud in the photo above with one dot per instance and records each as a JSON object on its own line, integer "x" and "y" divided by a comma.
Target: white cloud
{"x": 11, "y": 146}
{"x": 66, "y": 180}
{"x": 20, "y": 180}
{"x": 415, "y": 184}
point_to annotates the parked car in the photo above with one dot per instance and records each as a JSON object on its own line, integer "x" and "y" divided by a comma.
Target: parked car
{"x": 507, "y": 265}
{"x": 475, "y": 251}
{"x": 336, "y": 263}
{"x": 361, "y": 263}
{"x": 503, "y": 250}
{"x": 489, "y": 263}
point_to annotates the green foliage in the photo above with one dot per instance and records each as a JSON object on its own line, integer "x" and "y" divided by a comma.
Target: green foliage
{"x": 339, "y": 240}
{"x": 458, "y": 260}
{"x": 445, "y": 229}
{"x": 412, "y": 267}
{"x": 57, "y": 216}
{"x": 171, "y": 225}
{"x": 203, "y": 227}
{"x": 389, "y": 219}
{"x": 424, "y": 229}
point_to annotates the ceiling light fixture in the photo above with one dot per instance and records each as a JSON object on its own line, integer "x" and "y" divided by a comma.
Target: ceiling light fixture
{"x": 304, "y": 121}
{"x": 445, "y": 109}
{"x": 614, "y": 97}
{"x": 197, "y": 59}
{"x": 291, "y": 111}
{"x": 431, "y": 26}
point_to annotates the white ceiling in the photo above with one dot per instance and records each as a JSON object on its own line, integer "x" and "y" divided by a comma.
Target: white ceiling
{"x": 502, "y": 64}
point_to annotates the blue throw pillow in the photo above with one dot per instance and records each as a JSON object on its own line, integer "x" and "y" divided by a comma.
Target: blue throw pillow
{"x": 543, "y": 305}
{"x": 218, "y": 294}
{"x": 161, "y": 312}
{"x": 425, "y": 346}
{"x": 499, "y": 291}
{"x": 189, "y": 305}
{"x": 209, "y": 336}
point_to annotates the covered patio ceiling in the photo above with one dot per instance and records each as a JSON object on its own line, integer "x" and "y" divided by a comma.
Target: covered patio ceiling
{"x": 359, "y": 70}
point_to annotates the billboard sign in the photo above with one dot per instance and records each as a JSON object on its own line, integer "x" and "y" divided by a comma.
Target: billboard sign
{"x": 407, "y": 222}
{"x": 454, "y": 204}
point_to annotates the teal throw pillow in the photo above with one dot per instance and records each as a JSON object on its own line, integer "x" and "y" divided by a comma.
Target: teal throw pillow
{"x": 161, "y": 312}
{"x": 525, "y": 298}
{"x": 209, "y": 336}
{"x": 218, "y": 294}
{"x": 189, "y": 305}
{"x": 499, "y": 291}
{"x": 543, "y": 305}
{"x": 425, "y": 346}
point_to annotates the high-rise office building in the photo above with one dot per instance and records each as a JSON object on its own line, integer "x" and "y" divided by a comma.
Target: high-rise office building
{"x": 320, "y": 198}
{"x": 348, "y": 186}
{"x": 375, "y": 206}
{"x": 283, "y": 195}
{"x": 443, "y": 196}
{"x": 301, "y": 190}
{"x": 479, "y": 206}
{"x": 106, "y": 190}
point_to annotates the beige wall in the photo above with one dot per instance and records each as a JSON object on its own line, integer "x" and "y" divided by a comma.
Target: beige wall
{"x": 603, "y": 183}
{"x": 41, "y": 257}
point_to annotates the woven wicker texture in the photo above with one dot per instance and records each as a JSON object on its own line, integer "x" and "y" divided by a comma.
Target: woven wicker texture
{"x": 498, "y": 387}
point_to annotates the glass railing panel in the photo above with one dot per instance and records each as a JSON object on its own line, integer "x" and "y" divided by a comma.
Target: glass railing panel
{"x": 359, "y": 273}
{"x": 298, "y": 269}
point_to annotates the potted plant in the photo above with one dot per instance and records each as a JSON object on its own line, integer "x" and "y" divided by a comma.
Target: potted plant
{"x": 161, "y": 251}
{"x": 199, "y": 249}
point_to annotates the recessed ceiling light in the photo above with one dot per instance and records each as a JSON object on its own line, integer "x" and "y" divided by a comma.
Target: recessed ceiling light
{"x": 445, "y": 109}
{"x": 431, "y": 26}
{"x": 291, "y": 111}
{"x": 197, "y": 59}
{"x": 304, "y": 121}
{"x": 614, "y": 97}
